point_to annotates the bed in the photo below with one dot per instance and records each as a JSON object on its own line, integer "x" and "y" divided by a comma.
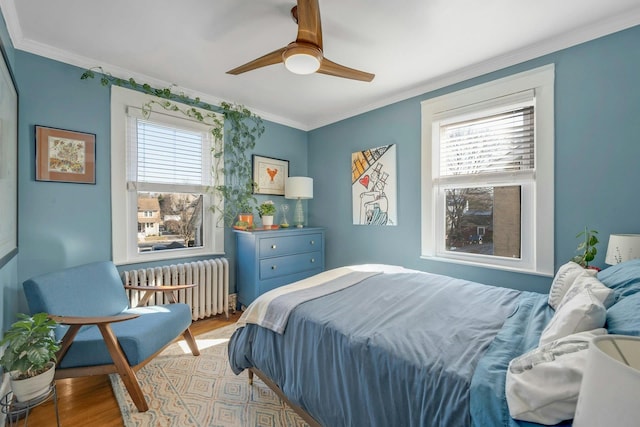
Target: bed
{"x": 378, "y": 345}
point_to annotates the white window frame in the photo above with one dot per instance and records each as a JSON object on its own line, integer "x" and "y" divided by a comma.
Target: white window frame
{"x": 537, "y": 222}
{"x": 124, "y": 208}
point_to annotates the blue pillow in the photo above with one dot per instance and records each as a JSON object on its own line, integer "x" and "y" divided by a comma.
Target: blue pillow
{"x": 623, "y": 278}
{"x": 623, "y": 317}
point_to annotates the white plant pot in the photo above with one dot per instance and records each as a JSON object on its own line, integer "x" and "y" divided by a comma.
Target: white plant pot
{"x": 33, "y": 387}
{"x": 267, "y": 220}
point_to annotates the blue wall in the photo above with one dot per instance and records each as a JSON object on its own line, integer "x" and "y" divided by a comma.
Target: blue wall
{"x": 597, "y": 137}
{"x": 597, "y": 104}
{"x": 63, "y": 224}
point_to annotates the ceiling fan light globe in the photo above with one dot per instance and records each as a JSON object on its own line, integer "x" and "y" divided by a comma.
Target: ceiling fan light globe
{"x": 302, "y": 63}
{"x": 302, "y": 59}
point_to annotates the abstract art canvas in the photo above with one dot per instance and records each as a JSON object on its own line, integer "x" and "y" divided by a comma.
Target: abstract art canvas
{"x": 374, "y": 186}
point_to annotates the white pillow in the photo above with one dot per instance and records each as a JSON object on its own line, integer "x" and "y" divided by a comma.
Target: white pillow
{"x": 583, "y": 312}
{"x": 563, "y": 280}
{"x": 586, "y": 281}
{"x": 542, "y": 385}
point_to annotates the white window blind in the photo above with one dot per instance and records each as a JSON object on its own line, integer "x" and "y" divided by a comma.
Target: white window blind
{"x": 168, "y": 155}
{"x": 502, "y": 142}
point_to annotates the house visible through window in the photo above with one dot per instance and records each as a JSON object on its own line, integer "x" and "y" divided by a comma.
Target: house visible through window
{"x": 166, "y": 155}
{"x": 488, "y": 174}
{"x": 166, "y": 175}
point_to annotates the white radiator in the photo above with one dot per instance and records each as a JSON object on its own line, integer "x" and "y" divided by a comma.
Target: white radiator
{"x": 209, "y": 298}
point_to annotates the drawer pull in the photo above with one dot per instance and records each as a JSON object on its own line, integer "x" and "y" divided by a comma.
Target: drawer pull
{"x": 313, "y": 242}
{"x": 313, "y": 260}
{"x": 273, "y": 246}
{"x": 273, "y": 267}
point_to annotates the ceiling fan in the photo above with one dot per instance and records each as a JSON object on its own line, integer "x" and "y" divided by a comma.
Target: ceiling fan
{"x": 304, "y": 56}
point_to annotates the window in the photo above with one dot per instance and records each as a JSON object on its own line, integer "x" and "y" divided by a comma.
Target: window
{"x": 487, "y": 174}
{"x": 161, "y": 169}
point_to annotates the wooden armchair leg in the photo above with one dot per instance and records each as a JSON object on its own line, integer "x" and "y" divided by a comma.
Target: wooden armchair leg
{"x": 122, "y": 365}
{"x": 191, "y": 342}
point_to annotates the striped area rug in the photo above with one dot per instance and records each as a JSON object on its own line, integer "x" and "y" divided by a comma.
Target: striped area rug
{"x": 187, "y": 391}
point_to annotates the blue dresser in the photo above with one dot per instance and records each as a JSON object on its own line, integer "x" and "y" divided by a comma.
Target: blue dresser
{"x": 266, "y": 260}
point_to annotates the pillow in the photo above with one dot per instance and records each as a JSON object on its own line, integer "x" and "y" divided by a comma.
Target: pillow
{"x": 563, "y": 280}
{"x": 624, "y": 317}
{"x": 583, "y": 312}
{"x": 587, "y": 281}
{"x": 542, "y": 385}
{"x": 623, "y": 278}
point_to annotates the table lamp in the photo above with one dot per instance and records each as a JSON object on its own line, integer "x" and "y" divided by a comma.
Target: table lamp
{"x": 298, "y": 187}
{"x": 609, "y": 389}
{"x": 622, "y": 247}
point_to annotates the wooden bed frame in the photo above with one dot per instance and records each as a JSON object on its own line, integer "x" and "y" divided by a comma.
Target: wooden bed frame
{"x": 273, "y": 386}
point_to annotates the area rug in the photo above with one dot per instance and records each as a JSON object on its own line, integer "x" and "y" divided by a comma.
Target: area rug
{"x": 183, "y": 390}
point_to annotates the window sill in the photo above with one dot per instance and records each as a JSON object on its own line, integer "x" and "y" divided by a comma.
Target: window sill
{"x": 483, "y": 265}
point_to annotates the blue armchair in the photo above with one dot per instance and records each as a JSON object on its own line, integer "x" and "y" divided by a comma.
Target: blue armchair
{"x": 100, "y": 333}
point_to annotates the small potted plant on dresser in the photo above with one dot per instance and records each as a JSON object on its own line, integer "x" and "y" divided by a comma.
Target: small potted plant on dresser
{"x": 267, "y": 210}
{"x": 30, "y": 355}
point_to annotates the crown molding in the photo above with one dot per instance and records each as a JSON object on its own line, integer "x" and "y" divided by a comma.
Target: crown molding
{"x": 581, "y": 35}
{"x": 545, "y": 47}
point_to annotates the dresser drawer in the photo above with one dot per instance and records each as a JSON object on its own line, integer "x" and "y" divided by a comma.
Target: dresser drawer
{"x": 277, "y": 246}
{"x": 267, "y": 285}
{"x": 290, "y": 264}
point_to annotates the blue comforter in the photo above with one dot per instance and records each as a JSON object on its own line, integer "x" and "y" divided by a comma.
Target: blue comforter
{"x": 396, "y": 350}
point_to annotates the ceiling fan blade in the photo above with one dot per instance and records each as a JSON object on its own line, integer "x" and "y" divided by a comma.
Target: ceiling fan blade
{"x": 307, "y": 15}
{"x": 332, "y": 69}
{"x": 272, "y": 58}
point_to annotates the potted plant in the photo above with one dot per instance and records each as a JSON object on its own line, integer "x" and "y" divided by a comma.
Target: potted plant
{"x": 30, "y": 355}
{"x": 267, "y": 210}
{"x": 588, "y": 248}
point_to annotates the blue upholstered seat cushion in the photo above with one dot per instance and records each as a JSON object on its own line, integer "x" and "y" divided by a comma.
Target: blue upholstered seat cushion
{"x": 88, "y": 290}
{"x": 139, "y": 338}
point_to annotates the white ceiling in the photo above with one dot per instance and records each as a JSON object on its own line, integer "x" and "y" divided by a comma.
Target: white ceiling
{"x": 412, "y": 46}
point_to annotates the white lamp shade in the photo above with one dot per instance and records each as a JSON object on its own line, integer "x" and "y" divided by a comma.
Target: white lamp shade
{"x": 298, "y": 187}
{"x": 609, "y": 390}
{"x": 622, "y": 247}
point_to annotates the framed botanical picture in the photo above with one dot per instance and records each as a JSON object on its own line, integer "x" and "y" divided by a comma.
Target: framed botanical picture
{"x": 269, "y": 175}
{"x": 65, "y": 156}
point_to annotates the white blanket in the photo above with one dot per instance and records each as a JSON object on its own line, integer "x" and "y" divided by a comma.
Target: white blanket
{"x": 271, "y": 310}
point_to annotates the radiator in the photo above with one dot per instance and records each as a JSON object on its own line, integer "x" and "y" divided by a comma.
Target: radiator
{"x": 209, "y": 298}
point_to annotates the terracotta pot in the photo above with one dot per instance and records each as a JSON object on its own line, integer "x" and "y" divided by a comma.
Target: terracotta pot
{"x": 246, "y": 217}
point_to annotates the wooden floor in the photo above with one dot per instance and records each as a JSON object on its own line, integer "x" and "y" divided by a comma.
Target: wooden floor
{"x": 90, "y": 401}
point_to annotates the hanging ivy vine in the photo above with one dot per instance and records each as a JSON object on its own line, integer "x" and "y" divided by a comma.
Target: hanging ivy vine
{"x": 233, "y": 183}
